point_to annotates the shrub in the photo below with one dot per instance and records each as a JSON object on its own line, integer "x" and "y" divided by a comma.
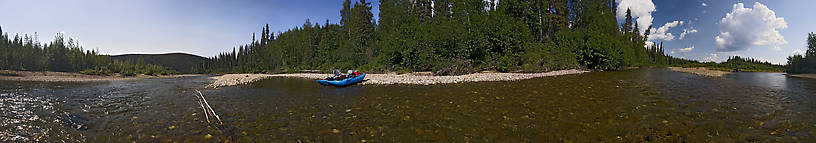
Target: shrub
{"x": 129, "y": 74}
{"x": 94, "y": 72}
{"x": 8, "y": 73}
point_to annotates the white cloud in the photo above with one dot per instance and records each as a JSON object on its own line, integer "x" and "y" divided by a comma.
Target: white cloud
{"x": 641, "y": 9}
{"x": 711, "y": 57}
{"x": 672, "y": 52}
{"x": 777, "y": 48}
{"x": 662, "y": 32}
{"x": 798, "y": 52}
{"x": 746, "y": 27}
{"x": 704, "y": 4}
{"x": 686, "y": 32}
{"x": 687, "y": 49}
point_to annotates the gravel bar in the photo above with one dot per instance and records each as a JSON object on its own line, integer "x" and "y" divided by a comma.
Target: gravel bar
{"x": 700, "y": 71}
{"x": 386, "y": 79}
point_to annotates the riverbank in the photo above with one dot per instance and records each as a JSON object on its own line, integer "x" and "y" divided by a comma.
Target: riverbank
{"x": 700, "y": 71}
{"x": 387, "y": 79}
{"x": 810, "y": 75}
{"x": 48, "y": 76}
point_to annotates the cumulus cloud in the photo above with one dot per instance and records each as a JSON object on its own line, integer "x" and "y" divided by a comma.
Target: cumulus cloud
{"x": 704, "y": 4}
{"x": 745, "y": 27}
{"x": 641, "y": 10}
{"x": 711, "y": 57}
{"x": 798, "y": 52}
{"x": 686, "y": 32}
{"x": 687, "y": 49}
{"x": 662, "y": 32}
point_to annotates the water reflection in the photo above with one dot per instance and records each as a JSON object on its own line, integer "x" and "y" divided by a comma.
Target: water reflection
{"x": 762, "y": 79}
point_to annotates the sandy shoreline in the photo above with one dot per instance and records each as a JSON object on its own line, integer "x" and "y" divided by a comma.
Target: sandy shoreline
{"x": 700, "y": 71}
{"x": 385, "y": 79}
{"x": 48, "y": 76}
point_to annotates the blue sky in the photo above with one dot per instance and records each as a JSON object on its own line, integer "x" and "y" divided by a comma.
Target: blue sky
{"x": 207, "y": 27}
{"x": 793, "y": 20}
{"x": 201, "y": 27}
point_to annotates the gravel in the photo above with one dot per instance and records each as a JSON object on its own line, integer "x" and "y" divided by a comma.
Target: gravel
{"x": 812, "y": 76}
{"x": 386, "y": 79}
{"x": 700, "y": 71}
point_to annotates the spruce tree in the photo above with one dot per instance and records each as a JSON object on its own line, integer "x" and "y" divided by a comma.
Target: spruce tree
{"x": 646, "y": 34}
{"x": 811, "y": 46}
{"x": 627, "y": 23}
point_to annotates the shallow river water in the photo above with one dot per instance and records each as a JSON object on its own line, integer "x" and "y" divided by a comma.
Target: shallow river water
{"x": 648, "y": 104}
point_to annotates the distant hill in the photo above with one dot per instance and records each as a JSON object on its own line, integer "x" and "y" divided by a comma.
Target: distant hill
{"x": 181, "y": 62}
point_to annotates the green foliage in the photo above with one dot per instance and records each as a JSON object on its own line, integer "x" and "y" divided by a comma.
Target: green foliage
{"x": 807, "y": 63}
{"x": 738, "y": 64}
{"x": 181, "y": 62}
{"x": 8, "y": 73}
{"x": 128, "y": 73}
{"x": 26, "y": 54}
{"x": 451, "y": 37}
{"x": 95, "y": 72}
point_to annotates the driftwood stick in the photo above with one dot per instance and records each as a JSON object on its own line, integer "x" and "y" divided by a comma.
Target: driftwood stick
{"x": 210, "y": 107}
{"x": 206, "y": 113}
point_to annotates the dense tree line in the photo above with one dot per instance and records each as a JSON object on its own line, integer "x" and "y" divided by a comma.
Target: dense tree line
{"x": 25, "y": 53}
{"x": 806, "y": 63}
{"x": 740, "y": 64}
{"x": 454, "y": 37}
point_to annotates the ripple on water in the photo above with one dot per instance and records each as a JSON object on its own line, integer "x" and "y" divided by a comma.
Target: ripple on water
{"x": 27, "y": 118}
{"x": 19, "y": 117}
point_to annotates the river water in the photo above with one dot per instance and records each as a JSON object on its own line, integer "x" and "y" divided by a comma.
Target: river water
{"x": 649, "y": 104}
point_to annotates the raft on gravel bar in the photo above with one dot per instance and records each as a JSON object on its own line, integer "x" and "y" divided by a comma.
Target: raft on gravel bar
{"x": 339, "y": 79}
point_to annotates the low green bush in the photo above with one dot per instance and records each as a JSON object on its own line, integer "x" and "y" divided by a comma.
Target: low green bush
{"x": 128, "y": 74}
{"x": 95, "y": 72}
{"x": 8, "y": 73}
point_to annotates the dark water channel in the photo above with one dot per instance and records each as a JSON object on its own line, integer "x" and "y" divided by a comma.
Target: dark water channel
{"x": 635, "y": 105}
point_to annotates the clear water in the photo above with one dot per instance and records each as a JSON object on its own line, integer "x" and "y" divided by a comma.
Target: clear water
{"x": 635, "y": 105}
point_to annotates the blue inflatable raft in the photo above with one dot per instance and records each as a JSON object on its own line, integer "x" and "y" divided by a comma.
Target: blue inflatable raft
{"x": 344, "y": 82}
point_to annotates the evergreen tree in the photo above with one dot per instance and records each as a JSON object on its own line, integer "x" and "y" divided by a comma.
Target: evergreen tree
{"x": 455, "y": 37}
{"x": 811, "y": 46}
{"x": 627, "y": 22}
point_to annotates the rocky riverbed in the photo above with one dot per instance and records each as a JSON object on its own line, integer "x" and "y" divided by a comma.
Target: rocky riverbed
{"x": 385, "y": 79}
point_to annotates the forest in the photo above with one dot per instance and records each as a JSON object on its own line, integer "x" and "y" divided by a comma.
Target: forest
{"x": 452, "y": 37}
{"x": 741, "y": 64}
{"x": 448, "y": 37}
{"x": 26, "y": 53}
{"x": 798, "y": 64}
